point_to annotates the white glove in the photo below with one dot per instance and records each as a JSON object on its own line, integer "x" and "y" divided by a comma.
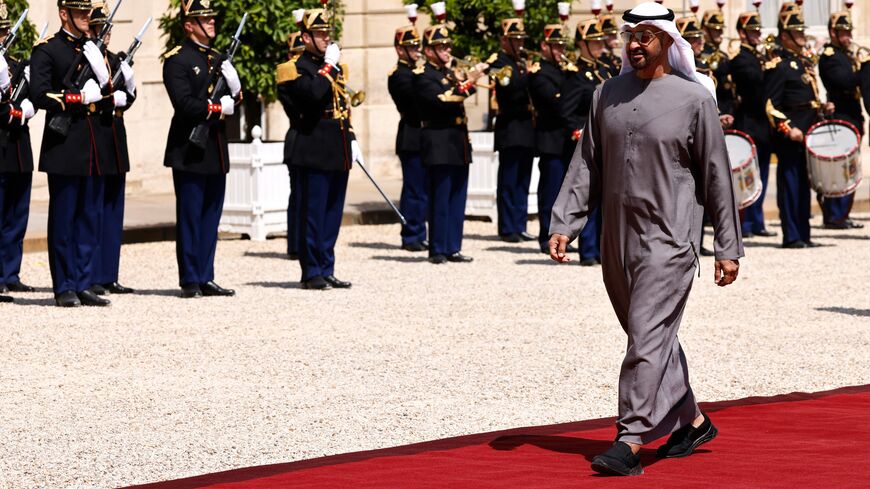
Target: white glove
{"x": 232, "y": 77}
{"x": 97, "y": 62}
{"x": 91, "y": 93}
{"x": 129, "y": 79}
{"x": 120, "y": 98}
{"x": 356, "y": 152}
{"x": 228, "y": 105}
{"x": 27, "y": 73}
{"x": 4, "y": 74}
{"x": 333, "y": 54}
{"x": 27, "y": 109}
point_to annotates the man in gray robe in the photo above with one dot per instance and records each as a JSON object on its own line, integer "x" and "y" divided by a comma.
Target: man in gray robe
{"x": 653, "y": 156}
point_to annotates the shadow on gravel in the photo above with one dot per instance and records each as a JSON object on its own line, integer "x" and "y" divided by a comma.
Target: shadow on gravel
{"x": 519, "y": 249}
{"x": 842, "y": 236}
{"x": 544, "y": 260}
{"x": 33, "y": 302}
{"x": 569, "y": 445}
{"x": 276, "y": 285}
{"x": 481, "y": 237}
{"x": 267, "y": 254}
{"x": 159, "y": 292}
{"x": 374, "y": 246}
{"x": 849, "y": 311}
{"x": 402, "y": 259}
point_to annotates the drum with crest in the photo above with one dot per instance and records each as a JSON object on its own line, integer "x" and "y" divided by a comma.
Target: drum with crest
{"x": 834, "y": 158}
{"x": 745, "y": 171}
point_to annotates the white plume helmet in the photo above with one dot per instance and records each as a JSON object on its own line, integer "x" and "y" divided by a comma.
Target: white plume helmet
{"x": 298, "y": 15}
{"x": 519, "y": 5}
{"x": 564, "y": 8}
{"x": 609, "y": 3}
{"x": 695, "y": 4}
{"x": 411, "y": 9}
{"x": 596, "y": 5}
{"x": 680, "y": 54}
{"x": 438, "y": 9}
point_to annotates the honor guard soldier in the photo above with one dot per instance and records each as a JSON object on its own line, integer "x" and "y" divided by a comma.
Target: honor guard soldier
{"x": 713, "y": 25}
{"x": 612, "y": 56}
{"x": 747, "y": 73}
{"x": 324, "y": 148}
{"x": 295, "y": 49}
{"x": 577, "y": 90}
{"x": 689, "y": 30}
{"x": 445, "y": 144}
{"x": 198, "y": 173}
{"x": 414, "y": 200}
{"x": 864, "y": 76}
{"x": 514, "y": 131}
{"x": 16, "y": 164}
{"x": 545, "y": 85}
{"x": 838, "y": 69}
{"x": 112, "y": 135}
{"x": 71, "y": 156}
{"x": 792, "y": 106}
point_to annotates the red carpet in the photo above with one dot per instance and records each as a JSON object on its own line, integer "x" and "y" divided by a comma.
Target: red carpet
{"x": 792, "y": 441}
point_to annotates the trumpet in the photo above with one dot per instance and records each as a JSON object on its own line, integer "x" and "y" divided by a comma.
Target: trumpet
{"x": 501, "y": 75}
{"x": 356, "y": 97}
{"x": 862, "y": 54}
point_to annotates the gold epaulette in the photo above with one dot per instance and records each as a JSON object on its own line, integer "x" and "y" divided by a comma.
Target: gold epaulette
{"x": 864, "y": 59}
{"x": 829, "y": 51}
{"x": 173, "y": 52}
{"x": 393, "y": 70}
{"x": 492, "y": 58}
{"x": 286, "y": 72}
{"x": 536, "y": 67}
{"x": 569, "y": 66}
{"x": 772, "y": 63}
{"x": 43, "y": 40}
{"x": 419, "y": 70}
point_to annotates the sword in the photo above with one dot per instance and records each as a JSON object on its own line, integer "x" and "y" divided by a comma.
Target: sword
{"x": 378, "y": 187}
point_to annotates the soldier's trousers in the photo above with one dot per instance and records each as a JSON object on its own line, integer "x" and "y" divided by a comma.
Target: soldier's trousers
{"x": 414, "y": 200}
{"x": 512, "y": 194}
{"x": 590, "y": 238}
{"x": 552, "y": 169}
{"x": 14, "y": 211}
{"x": 321, "y": 206}
{"x": 75, "y": 214}
{"x": 753, "y": 216}
{"x": 112, "y": 229}
{"x": 835, "y": 210}
{"x": 792, "y": 191}
{"x": 448, "y": 191}
{"x": 199, "y": 202}
{"x": 293, "y": 212}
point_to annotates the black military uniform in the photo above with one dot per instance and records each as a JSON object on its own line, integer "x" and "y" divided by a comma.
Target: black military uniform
{"x": 577, "y": 90}
{"x": 545, "y": 87}
{"x": 16, "y": 169}
{"x": 296, "y": 47}
{"x": 612, "y": 60}
{"x": 322, "y": 153}
{"x": 718, "y": 62}
{"x": 414, "y": 202}
{"x": 864, "y": 76}
{"x": 791, "y": 100}
{"x": 514, "y": 136}
{"x": 198, "y": 174}
{"x": 838, "y": 68}
{"x": 445, "y": 148}
{"x": 73, "y": 162}
{"x": 747, "y": 73}
{"x": 112, "y": 136}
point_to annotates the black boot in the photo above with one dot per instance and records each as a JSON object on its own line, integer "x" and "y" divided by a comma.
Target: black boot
{"x": 116, "y": 288}
{"x": 67, "y": 299}
{"x": 19, "y": 287}
{"x": 211, "y": 289}
{"x": 89, "y": 298}
{"x": 336, "y": 283}
{"x": 617, "y": 460}
{"x": 191, "y": 291}
{"x": 316, "y": 283}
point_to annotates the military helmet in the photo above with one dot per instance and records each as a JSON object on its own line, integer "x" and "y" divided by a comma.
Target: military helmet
{"x": 713, "y": 19}
{"x": 840, "y": 21}
{"x": 788, "y": 7}
{"x": 436, "y": 34}
{"x": 5, "y": 21}
{"x": 609, "y": 25}
{"x": 589, "y": 30}
{"x": 514, "y": 28}
{"x": 75, "y": 4}
{"x": 315, "y": 20}
{"x": 100, "y": 14}
{"x": 555, "y": 34}
{"x": 749, "y": 21}
{"x": 688, "y": 27}
{"x": 294, "y": 42}
{"x": 406, "y": 36}
{"x": 791, "y": 20}
{"x": 197, "y": 8}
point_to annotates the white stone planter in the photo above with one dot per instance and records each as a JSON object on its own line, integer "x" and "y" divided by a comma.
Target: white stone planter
{"x": 483, "y": 179}
{"x": 258, "y": 189}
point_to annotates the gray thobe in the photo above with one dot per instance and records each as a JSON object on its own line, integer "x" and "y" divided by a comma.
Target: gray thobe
{"x": 653, "y": 156}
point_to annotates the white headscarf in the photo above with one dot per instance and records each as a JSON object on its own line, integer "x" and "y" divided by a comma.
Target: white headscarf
{"x": 680, "y": 54}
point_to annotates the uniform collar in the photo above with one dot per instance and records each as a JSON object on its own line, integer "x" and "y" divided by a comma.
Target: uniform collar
{"x": 66, "y": 36}
{"x": 311, "y": 56}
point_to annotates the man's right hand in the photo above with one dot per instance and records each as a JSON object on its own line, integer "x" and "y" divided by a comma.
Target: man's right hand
{"x": 558, "y": 248}
{"x": 796, "y": 135}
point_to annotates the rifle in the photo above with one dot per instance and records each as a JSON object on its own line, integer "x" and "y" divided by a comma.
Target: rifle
{"x": 13, "y": 34}
{"x": 131, "y": 51}
{"x": 80, "y": 73}
{"x": 19, "y": 93}
{"x": 199, "y": 135}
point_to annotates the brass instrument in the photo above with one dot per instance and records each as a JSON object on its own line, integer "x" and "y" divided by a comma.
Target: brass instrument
{"x": 502, "y": 75}
{"x": 733, "y": 47}
{"x": 862, "y": 54}
{"x": 356, "y": 97}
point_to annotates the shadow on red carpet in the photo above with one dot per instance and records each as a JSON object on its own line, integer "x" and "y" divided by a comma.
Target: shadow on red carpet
{"x": 796, "y": 440}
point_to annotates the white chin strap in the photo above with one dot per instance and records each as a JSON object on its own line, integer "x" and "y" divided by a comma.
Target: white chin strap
{"x": 680, "y": 54}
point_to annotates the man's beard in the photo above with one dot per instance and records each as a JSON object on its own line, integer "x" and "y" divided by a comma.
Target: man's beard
{"x": 639, "y": 64}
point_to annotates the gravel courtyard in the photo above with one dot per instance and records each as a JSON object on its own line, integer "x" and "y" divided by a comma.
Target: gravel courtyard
{"x": 156, "y": 388}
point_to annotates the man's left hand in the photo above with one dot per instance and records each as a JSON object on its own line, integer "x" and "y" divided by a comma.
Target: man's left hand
{"x": 726, "y": 272}
{"x": 830, "y": 108}
{"x": 726, "y": 120}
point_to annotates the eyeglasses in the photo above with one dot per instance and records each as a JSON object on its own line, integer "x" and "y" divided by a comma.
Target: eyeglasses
{"x": 642, "y": 37}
